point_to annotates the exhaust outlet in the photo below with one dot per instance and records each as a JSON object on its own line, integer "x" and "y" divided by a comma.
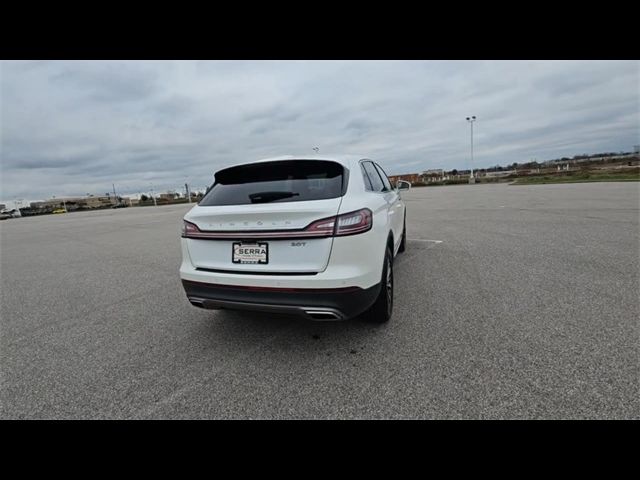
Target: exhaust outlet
{"x": 323, "y": 315}
{"x": 197, "y": 303}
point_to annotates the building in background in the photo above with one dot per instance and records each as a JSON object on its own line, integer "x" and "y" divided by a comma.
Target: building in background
{"x": 407, "y": 177}
{"x": 434, "y": 175}
{"x": 169, "y": 196}
{"x": 71, "y": 204}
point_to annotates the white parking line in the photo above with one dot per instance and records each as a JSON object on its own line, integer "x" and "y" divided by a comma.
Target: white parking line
{"x": 424, "y": 240}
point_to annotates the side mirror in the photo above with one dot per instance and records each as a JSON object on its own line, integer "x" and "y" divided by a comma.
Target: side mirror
{"x": 402, "y": 185}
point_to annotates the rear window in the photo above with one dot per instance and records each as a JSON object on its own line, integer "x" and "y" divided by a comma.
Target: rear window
{"x": 281, "y": 181}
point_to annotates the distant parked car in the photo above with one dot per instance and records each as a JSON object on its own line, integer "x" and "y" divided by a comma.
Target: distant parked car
{"x": 59, "y": 210}
{"x": 120, "y": 205}
{"x": 10, "y": 214}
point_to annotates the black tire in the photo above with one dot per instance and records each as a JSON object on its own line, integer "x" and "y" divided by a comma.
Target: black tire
{"x": 382, "y": 309}
{"x": 403, "y": 242}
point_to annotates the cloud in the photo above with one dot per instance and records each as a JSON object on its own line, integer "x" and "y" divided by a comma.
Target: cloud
{"x": 68, "y": 128}
{"x": 106, "y": 82}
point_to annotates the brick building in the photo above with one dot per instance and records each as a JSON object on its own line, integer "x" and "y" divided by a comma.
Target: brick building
{"x": 407, "y": 177}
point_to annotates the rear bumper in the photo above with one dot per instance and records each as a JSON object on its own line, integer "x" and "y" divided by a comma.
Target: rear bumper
{"x": 314, "y": 304}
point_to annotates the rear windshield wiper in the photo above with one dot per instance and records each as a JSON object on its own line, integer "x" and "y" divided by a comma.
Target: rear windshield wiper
{"x": 265, "y": 197}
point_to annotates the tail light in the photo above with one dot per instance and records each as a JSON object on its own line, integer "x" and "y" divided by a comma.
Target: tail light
{"x": 350, "y": 223}
{"x": 359, "y": 221}
{"x": 189, "y": 228}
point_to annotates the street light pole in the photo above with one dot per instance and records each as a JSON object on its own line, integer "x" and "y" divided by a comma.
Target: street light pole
{"x": 155, "y": 204}
{"x": 471, "y": 120}
{"x": 17, "y": 205}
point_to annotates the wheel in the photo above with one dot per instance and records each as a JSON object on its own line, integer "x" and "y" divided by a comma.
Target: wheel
{"x": 381, "y": 310}
{"x": 403, "y": 242}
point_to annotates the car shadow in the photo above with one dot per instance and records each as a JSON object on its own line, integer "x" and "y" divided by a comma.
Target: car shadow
{"x": 248, "y": 330}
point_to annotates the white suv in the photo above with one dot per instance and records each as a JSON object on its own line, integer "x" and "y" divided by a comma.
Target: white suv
{"x": 313, "y": 236}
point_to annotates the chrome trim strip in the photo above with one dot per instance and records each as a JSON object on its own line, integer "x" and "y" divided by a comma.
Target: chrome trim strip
{"x": 263, "y": 307}
{"x": 238, "y": 235}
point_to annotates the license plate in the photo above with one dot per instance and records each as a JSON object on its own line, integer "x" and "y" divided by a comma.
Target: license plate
{"x": 250, "y": 253}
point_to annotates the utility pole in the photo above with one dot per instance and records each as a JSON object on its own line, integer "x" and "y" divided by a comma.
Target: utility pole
{"x": 471, "y": 120}
{"x": 115, "y": 199}
{"x": 155, "y": 204}
{"x": 186, "y": 187}
{"x": 17, "y": 205}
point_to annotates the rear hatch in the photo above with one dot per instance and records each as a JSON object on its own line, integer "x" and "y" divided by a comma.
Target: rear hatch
{"x": 256, "y": 218}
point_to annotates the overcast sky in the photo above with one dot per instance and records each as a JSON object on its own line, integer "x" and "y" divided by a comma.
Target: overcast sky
{"x": 75, "y": 127}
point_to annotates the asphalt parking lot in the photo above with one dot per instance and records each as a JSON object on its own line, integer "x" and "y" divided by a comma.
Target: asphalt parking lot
{"x": 511, "y": 302}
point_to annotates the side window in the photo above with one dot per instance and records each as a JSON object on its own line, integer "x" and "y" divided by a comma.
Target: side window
{"x": 367, "y": 183}
{"x": 374, "y": 177}
{"x": 385, "y": 179}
